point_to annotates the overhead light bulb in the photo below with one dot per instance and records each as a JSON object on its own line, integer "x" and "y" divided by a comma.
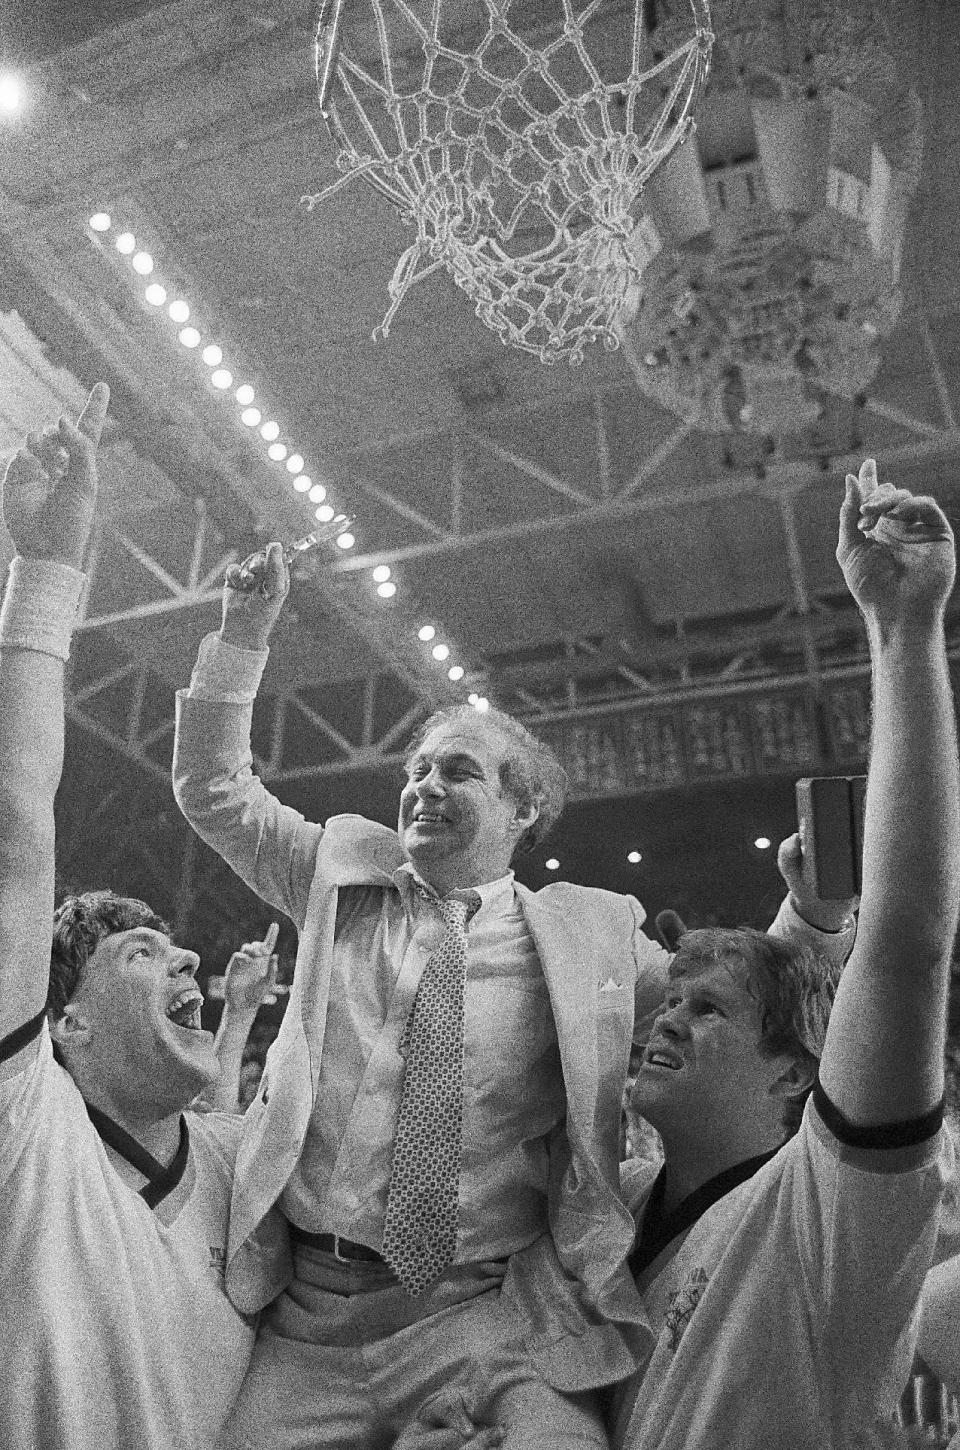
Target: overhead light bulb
{"x": 441, "y": 651}
{"x": 482, "y": 704}
{"x": 179, "y": 310}
{"x": 251, "y": 417}
{"x": 552, "y": 864}
{"x": 317, "y": 493}
{"x": 387, "y": 589}
{"x": 221, "y": 378}
{"x": 634, "y": 857}
{"x": 295, "y": 463}
{"x": 346, "y": 541}
{"x": 763, "y": 843}
{"x": 100, "y": 222}
{"x": 381, "y": 573}
{"x": 324, "y": 513}
{"x": 277, "y": 451}
{"x": 212, "y": 355}
{"x": 244, "y": 394}
{"x": 143, "y": 263}
{"x": 302, "y": 484}
{"x": 426, "y": 632}
{"x": 11, "y": 93}
{"x": 155, "y": 294}
{"x": 270, "y": 430}
{"x": 456, "y": 672}
{"x": 188, "y": 336}
{"x": 126, "y": 243}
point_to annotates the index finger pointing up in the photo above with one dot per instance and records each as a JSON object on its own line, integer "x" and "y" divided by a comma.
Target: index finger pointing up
{"x": 867, "y": 478}
{"x": 91, "y": 420}
{"x": 849, "y": 514}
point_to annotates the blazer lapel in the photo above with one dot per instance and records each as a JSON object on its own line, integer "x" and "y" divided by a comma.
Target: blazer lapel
{"x": 590, "y": 982}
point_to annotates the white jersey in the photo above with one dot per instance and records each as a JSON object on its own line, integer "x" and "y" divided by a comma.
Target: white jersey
{"x": 117, "y": 1332}
{"x": 786, "y": 1318}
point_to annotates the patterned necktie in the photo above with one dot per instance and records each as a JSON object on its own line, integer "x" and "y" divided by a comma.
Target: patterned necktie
{"x": 420, "y": 1227}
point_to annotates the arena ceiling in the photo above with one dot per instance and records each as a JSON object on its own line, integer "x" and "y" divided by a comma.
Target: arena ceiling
{"x": 585, "y": 553}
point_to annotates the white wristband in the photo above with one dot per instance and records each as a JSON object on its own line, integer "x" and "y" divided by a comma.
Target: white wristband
{"x": 40, "y": 606}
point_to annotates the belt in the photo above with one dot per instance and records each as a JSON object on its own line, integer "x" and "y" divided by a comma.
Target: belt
{"x": 342, "y": 1249}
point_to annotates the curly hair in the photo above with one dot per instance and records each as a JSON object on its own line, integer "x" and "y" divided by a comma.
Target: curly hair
{"x": 79, "y": 924}
{"x": 530, "y": 772}
{"x": 793, "y": 987}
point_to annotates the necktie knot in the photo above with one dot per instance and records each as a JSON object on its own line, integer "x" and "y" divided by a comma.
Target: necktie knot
{"x": 456, "y": 911}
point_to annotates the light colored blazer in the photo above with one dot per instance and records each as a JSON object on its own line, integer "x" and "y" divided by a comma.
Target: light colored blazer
{"x": 601, "y": 969}
{"x": 605, "y": 979}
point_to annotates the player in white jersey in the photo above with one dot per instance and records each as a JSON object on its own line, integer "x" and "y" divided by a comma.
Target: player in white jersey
{"x": 113, "y": 1198}
{"x": 781, "y": 1270}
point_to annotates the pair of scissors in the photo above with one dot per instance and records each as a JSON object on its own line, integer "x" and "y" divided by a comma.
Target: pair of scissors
{"x": 339, "y": 524}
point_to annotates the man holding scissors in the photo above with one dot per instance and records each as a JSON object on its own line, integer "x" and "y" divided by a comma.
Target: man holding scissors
{"x": 446, "y": 1085}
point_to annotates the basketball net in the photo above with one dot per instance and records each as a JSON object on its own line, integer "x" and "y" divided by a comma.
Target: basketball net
{"x": 517, "y": 151}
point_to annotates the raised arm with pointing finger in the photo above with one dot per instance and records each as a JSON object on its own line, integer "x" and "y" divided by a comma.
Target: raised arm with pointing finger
{"x": 114, "y": 1196}
{"x": 49, "y": 495}
{"x": 883, "y": 1059}
{"x": 248, "y": 984}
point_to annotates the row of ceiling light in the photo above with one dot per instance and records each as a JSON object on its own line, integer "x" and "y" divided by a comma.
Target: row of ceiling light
{"x": 221, "y": 378}
{"x": 762, "y": 843}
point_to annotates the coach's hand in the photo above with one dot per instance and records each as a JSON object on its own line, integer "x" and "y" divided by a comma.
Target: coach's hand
{"x": 253, "y": 597}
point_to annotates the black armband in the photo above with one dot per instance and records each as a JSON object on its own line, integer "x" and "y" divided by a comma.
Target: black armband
{"x": 15, "y": 1041}
{"x": 877, "y": 1135}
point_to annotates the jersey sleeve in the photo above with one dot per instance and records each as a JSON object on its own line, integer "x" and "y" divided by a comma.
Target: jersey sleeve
{"x": 27, "y": 1094}
{"x": 865, "y": 1216}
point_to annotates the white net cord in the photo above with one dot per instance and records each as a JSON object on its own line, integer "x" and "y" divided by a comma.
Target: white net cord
{"x": 519, "y": 161}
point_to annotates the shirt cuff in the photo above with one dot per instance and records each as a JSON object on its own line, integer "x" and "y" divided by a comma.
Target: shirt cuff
{"x": 789, "y": 918}
{"x": 226, "y": 673}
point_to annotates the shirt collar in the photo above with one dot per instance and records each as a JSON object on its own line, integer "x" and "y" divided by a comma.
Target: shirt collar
{"x": 495, "y": 896}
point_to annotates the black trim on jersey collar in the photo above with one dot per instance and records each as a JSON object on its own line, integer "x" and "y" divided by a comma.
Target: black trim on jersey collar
{"x": 658, "y": 1229}
{"x": 161, "y": 1179}
{"x": 15, "y": 1041}
{"x": 880, "y": 1135}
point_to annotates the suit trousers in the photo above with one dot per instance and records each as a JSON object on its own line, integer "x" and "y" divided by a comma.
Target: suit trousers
{"x": 345, "y": 1359}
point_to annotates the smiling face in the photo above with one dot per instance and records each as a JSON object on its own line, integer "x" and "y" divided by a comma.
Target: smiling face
{"x": 456, "y": 824}
{"x": 704, "y": 1071}
{"x": 131, "y": 1031}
